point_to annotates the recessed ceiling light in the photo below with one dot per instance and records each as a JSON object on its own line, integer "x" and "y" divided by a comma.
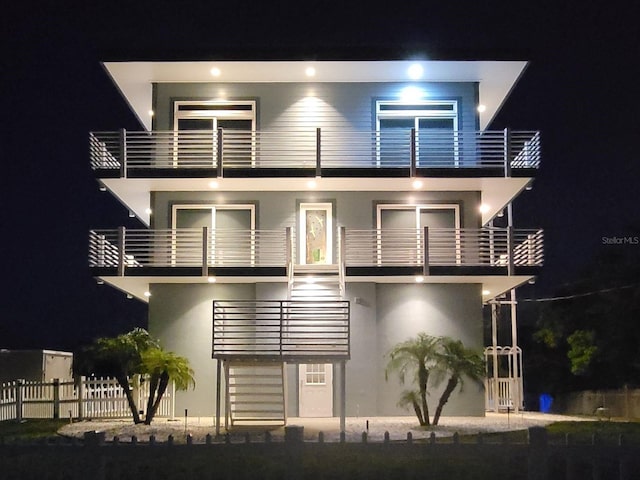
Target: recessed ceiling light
{"x": 211, "y": 279}
{"x": 312, "y": 184}
{"x": 213, "y": 184}
{"x": 417, "y": 184}
{"x": 484, "y": 208}
{"x": 415, "y": 71}
{"x": 310, "y": 72}
{"x": 419, "y": 279}
{"x": 215, "y": 71}
{"x": 481, "y": 108}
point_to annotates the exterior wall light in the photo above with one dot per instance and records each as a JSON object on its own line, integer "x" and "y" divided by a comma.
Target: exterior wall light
{"x": 310, "y": 72}
{"x": 312, "y": 184}
{"x": 484, "y": 208}
{"x": 415, "y": 71}
{"x": 215, "y": 72}
{"x": 148, "y": 211}
{"x": 151, "y": 113}
{"x": 213, "y": 184}
{"x": 486, "y": 292}
{"x": 481, "y": 108}
{"x": 147, "y": 294}
{"x": 417, "y": 184}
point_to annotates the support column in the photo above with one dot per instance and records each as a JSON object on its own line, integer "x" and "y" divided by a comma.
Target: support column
{"x": 494, "y": 344}
{"x": 343, "y": 396}
{"x": 218, "y": 385}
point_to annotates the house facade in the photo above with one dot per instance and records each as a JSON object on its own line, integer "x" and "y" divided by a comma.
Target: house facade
{"x": 304, "y": 217}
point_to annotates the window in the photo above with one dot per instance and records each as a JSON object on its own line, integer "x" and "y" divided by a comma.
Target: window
{"x": 398, "y": 223}
{"x": 435, "y": 123}
{"x": 196, "y": 124}
{"x": 231, "y": 231}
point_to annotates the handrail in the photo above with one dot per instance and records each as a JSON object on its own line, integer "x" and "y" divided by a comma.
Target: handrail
{"x": 184, "y": 248}
{"x": 273, "y": 248}
{"x": 312, "y": 149}
{"x": 446, "y": 247}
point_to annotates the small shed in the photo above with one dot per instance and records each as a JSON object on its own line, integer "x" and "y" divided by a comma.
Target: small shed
{"x": 35, "y": 365}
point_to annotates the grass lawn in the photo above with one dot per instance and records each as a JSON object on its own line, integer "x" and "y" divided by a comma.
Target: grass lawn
{"x": 11, "y": 430}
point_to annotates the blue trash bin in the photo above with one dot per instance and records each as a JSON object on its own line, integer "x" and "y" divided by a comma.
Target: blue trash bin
{"x": 546, "y": 401}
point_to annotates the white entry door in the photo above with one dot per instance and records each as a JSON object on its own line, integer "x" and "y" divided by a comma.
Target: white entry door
{"x": 316, "y": 233}
{"x": 316, "y": 390}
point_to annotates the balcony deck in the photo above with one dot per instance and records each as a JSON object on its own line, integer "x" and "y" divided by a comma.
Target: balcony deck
{"x": 270, "y": 253}
{"x": 314, "y": 153}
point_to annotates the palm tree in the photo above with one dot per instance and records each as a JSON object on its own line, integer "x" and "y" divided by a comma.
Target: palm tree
{"x": 457, "y": 362}
{"x": 163, "y": 366}
{"x": 118, "y": 357}
{"x": 417, "y": 355}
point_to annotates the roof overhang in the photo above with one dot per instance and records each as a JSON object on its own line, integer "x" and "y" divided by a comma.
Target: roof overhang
{"x": 492, "y": 285}
{"x": 135, "y": 79}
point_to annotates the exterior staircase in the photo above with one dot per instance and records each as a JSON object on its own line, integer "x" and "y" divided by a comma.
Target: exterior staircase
{"x": 255, "y": 393}
{"x": 256, "y": 389}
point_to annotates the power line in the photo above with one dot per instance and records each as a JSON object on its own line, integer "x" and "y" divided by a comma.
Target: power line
{"x": 577, "y": 295}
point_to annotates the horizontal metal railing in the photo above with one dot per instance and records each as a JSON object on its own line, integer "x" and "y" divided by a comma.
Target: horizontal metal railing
{"x": 285, "y": 329}
{"x": 273, "y": 248}
{"x": 314, "y": 149}
{"x": 443, "y": 247}
{"x": 187, "y": 248}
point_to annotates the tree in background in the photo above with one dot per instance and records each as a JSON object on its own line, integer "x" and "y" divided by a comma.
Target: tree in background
{"x": 588, "y": 334}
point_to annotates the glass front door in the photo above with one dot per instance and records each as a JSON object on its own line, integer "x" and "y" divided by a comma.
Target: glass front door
{"x": 315, "y": 234}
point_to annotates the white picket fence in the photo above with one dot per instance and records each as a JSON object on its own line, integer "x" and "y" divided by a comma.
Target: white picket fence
{"x": 88, "y": 398}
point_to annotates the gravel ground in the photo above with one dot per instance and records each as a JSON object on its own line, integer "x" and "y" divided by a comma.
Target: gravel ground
{"x": 397, "y": 427}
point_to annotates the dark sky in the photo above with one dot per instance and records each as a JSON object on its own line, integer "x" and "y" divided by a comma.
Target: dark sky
{"x": 579, "y": 90}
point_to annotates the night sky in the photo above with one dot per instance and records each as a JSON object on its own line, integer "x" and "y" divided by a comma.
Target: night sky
{"x": 579, "y": 90}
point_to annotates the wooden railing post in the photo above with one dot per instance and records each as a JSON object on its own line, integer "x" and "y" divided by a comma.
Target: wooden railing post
{"x": 412, "y": 150}
{"x": 507, "y": 152}
{"x": 19, "y": 386}
{"x": 121, "y": 250}
{"x": 425, "y": 251}
{"x": 318, "y": 153}
{"x": 56, "y": 398}
{"x": 205, "y": 251}
{"x": 219, "y": 170}
{"x": 123, "y": 153}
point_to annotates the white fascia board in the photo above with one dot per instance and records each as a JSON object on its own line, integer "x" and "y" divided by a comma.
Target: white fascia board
{"x": 135, "y": 79}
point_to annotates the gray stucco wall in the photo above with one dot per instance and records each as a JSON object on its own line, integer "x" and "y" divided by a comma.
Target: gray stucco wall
{"x": 304, "y": 106}
{"x": 381, "y": 316}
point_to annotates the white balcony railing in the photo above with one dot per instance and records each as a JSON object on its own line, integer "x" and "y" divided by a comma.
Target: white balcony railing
{"x": 493, "y": 247}
{"x": 444, "y": 247}
{"x": 139, "y": 153}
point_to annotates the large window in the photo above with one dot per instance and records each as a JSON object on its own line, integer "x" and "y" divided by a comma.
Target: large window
{"x": 196, "y": 124}
{"x": 231, "y": 232}
{"x": 435, "y": 123}
{"x": 398, "y": 222}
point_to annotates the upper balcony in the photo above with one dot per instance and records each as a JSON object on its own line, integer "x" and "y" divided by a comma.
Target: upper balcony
{"x": 314, "y": 153}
